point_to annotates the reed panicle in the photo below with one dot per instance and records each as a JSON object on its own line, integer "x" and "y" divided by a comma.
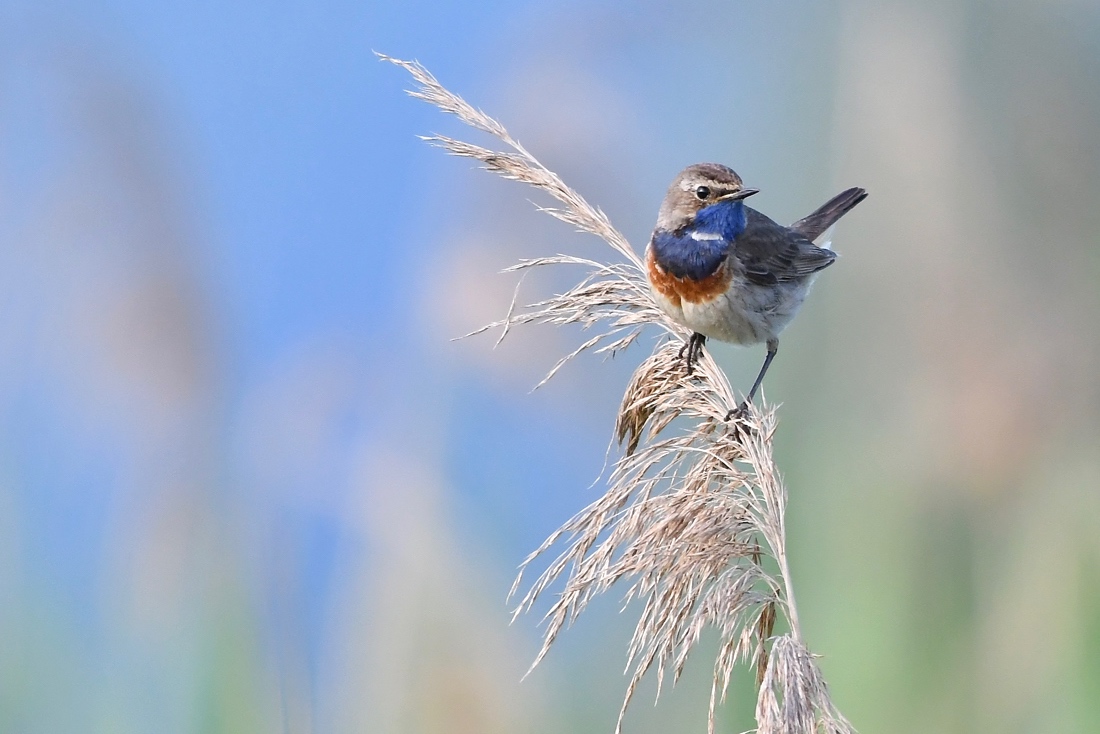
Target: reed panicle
{"x": 692, "y": 513}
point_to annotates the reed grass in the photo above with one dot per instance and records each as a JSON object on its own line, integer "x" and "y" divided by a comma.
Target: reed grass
{"x": 692, "y": 510}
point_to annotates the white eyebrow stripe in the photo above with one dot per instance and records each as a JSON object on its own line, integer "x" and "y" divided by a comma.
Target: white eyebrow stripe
{"x": 701, "y": 236}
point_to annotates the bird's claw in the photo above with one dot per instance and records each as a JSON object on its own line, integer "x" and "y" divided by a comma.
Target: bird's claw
{"x": 737, "y": 418}
{"x": 693, "y": 348}
{"x": 738, "y": 413}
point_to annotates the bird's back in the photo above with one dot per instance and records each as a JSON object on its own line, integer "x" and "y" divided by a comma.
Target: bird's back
{"x": 767, "y": 253}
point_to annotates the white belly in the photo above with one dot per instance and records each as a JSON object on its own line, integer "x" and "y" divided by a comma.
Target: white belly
{"x": 745, "y": 314}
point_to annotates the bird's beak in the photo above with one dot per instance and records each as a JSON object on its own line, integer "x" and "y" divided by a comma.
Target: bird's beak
{"x": 738, "y": 195}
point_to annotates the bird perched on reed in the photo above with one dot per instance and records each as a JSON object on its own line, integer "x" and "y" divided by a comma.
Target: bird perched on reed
{"x": 728, "y": 272}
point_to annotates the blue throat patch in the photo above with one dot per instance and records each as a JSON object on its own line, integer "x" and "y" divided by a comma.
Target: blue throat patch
{"x": 686, "y": 257}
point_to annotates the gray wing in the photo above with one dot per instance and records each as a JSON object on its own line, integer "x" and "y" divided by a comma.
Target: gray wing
{"x": 769, "y": 253}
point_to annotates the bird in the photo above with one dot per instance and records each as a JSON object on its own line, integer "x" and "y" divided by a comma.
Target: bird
{"x": 728, "y": 272}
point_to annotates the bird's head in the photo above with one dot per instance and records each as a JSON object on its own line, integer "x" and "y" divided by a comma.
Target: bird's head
{"x": 697, "y": 187}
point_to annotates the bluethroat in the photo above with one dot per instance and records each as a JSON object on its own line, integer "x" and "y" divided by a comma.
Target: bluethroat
{"x": 728, "y": 272}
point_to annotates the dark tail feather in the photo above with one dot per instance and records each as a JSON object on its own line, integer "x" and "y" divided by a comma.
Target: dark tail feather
{"x": 813, "y": 225}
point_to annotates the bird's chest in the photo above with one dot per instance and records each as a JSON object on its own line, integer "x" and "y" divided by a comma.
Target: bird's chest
{"x": 676, "y": 290}
{"x": 724, "y": 305}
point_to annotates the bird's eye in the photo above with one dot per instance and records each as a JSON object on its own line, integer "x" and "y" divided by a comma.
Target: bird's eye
{"x": 702, "y": 192}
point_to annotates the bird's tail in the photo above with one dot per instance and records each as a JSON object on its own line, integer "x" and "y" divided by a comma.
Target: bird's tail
{"x": 826, "y": 216}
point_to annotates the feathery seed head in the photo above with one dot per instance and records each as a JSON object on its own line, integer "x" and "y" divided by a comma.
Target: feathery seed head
{"x": 690, "y": 513}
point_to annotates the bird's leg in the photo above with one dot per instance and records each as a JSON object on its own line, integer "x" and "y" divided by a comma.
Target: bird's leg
{"x": 700, "y": 342}
{"x": 773, "y": 347}
{"x": 694, "y": 349}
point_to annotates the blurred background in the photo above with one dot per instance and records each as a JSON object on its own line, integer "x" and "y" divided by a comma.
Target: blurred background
{"x": 248, "y": 484}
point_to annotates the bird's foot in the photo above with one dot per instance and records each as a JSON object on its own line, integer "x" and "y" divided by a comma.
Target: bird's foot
{"x": 738, "y": 414}
{"x": 693, "y": 348}
{"x": 737, "y": 420}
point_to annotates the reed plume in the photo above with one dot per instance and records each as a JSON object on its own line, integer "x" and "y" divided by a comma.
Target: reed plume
{"x": 692, "y": 522}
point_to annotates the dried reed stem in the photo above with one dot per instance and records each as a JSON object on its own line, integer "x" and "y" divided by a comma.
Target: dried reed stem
{"x": 689, "y": 515}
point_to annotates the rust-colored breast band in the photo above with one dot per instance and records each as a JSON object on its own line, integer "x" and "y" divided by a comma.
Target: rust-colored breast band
{"x": 685, "y": 289}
